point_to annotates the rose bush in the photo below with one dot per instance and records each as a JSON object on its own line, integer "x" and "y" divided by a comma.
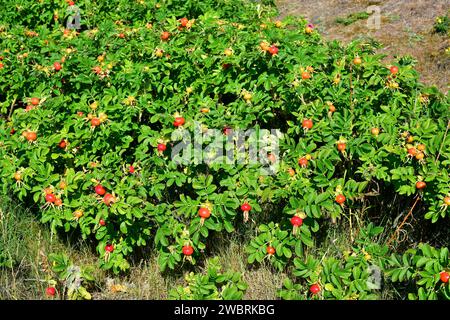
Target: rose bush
{"x": 91, "y": 116}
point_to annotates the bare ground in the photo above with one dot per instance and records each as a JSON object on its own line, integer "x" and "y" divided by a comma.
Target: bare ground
{"x": 406, "y": 28}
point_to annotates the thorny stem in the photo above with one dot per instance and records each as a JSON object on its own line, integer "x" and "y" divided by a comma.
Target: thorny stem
{"x": 395, "y": 234}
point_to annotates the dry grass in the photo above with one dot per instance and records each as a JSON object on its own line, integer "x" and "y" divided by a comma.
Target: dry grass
{"x": 144, "y": 282}
{"x": 405, "y": 29}
{"x": 263, "y": 281}
{"x": 28, "y": 243}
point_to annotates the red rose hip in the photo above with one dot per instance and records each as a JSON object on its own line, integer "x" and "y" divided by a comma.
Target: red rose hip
{"x": 100, "y": 190}
{"x": 188, "y": 250}
{"x": 179, "y": 121}
{"x": 296, "y": 221}
{"x": 50, "y": 197}
{"x": 340, "y": 199}
{"x": 420, "y": 185}
{"x": 50, "y": 291}
{"x": 162, "y": 147}
{"x": 204, "y": 213}
{"x": 246, "y": 207}
{"x": 314, "y": 289}
{"x": 444, "y": 276}
{"x": 307, "y": 124}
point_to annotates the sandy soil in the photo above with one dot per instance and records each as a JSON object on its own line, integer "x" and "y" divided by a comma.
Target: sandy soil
{"x": 405, "y": 29}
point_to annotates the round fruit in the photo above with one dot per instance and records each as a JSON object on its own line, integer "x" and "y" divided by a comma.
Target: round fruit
{"x": 278, "y": 24}
{"x": 264, "y": 45}
{"x": 444, "y": 276}
{"x": 306, "y": 75}
{"x": 228, "y": 52}
{"x": 102, "y": 117}
{"x": 307, "y": 124}
{"x": 314, "y": 289}
{"x": 340, "y": 198}
{"x": 50, "y": 197}
{"x": 179, "y": 121}
{"x": 246, "y": 207}
{"x": 121, "y": 36}
{"x": 188, "y": 250}
{"x": 375, "y": 131}
{"x": 57, "y": 66}
{"x": 412, "y": 151}
{"x": 108, "y": 199}
{"x": 161, "y": 147}
{"x": 50, "y": 291}
{"x": 227, "y": 130}
{"x": 447, "y": 201}
{"x": 1, "y": 65}
{"x": 420, "y": 185}
{"x": 291, "y": 172}
{"x": 95, "y": 122}
{"x": 102, "y": 222}
{"x": 58, "y": 202}
{"x": 332, "y": 108}
{"x": 273, "y": 50}
{"x": 165, "y": 35}
{"x": 184, "y": 22}
{"x": 131, "y": 169}
{"x": 421, "y": 147}
{"x": 35, "y": 101}
{"x": 62, "y": 144}
{"x": 394, "y": 69}
{"x": 296, "y": 221}
{"x": 272, "y": 157}
{"x": 270, "y": 250}
{"x": 420, "y": 155}
{"x": 341, "y": 146}
{"x": 17, "y": 176}
{"x": 109, "y": 248}
{"x": 78, "y": 214}
{"x": 357, "y": 60}
{"x": 31, "y": 136}
{"x": 100, "y": 190}
{"x": 303, "y": 162}
{"x": 204, "y": 213}
{"x": 247, "y": 96}
{"x": 97, "y": 69}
